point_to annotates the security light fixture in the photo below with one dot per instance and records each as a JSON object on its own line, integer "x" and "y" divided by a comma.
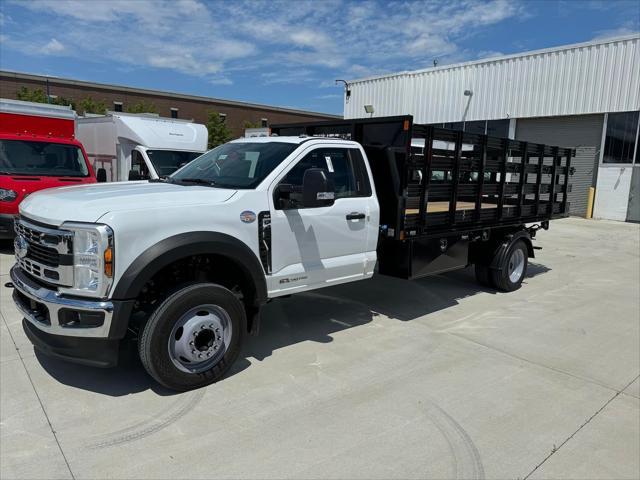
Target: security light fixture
{"x": 368, "y": 109}
{"x": 468, "y": 93}
{"x": 347, "y": 88}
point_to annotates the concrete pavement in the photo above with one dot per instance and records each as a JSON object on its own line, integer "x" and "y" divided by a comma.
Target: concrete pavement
{"x": 435, "y": 378}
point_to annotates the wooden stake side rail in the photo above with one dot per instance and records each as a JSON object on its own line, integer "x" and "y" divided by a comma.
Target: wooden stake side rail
{"x": 476, "y": 181}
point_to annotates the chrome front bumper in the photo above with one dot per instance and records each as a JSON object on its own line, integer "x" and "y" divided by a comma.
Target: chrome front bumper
{"x": 42, "y": 308}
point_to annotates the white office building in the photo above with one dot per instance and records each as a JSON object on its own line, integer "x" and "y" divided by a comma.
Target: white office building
{"x": 585, "y": 96}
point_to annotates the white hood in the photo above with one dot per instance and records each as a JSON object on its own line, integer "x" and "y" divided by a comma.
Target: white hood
{"x": 87, "y": 203}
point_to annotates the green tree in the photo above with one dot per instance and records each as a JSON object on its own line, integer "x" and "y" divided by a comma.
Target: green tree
{"x": 142, "y": 107}
{"x": 219, "y": 132}
{"x": 89, "y": 105}
{"x": 27, "y": 95}
{"x": 249, "y": 124}
{"x": 39, "y": 96}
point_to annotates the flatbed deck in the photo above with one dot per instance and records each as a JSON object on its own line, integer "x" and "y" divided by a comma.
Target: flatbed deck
{"x": 439, "y": 207}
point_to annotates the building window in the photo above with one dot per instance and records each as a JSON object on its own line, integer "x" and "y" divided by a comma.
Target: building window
{"x": 117, "y": 106}
{"x": 494, "y": 128}
{"x": 479, "y": 127}
{"x": 223, "y": 117}
{"x": 174, "y": 113}
{"x": 620, "y": 139}
{"x": 498, "y": 128}
{"x": 454, "y": 125}
{"x": 264, "y": 123}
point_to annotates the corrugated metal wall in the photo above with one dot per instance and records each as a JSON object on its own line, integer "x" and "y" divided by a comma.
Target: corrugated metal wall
{"x": 584, "y": 133}
{"x": 581, "y": 79}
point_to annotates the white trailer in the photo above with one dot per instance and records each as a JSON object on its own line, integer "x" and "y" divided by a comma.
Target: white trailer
{"x": 140, "y": 146}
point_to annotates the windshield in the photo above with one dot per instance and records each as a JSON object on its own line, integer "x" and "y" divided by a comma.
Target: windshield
{"x": 236, "y": 165}
{"x": 165, "y": 162}
{"x": 21, "y": 157}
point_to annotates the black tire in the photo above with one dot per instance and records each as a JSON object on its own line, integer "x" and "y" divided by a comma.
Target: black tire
{"x": 483, "y": 275}
{"x": 502, "y": 275}
{"x": 153, "y": 343}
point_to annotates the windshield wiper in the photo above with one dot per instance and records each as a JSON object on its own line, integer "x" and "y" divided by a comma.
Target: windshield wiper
{"x": 196, "y": 181}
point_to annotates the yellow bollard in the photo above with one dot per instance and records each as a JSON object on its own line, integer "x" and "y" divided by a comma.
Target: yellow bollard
{"x": 590, "y": 198}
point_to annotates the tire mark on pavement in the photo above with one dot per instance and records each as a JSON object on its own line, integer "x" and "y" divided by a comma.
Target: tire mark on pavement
{"x": 148, "y": 427}
{"x": 467, "y": 463}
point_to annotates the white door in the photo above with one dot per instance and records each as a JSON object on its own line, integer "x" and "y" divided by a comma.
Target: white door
{"x": 314, "y": 247}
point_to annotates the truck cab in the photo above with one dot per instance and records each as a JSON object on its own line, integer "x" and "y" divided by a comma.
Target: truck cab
{"x": 140, "y": 146}
{"x": 38, "y": 150}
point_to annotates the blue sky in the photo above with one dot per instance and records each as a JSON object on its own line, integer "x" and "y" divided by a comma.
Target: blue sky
{"x": 284, "y": 53}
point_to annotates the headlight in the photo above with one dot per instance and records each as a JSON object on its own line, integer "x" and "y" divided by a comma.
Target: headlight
{"x": 7, "y": 195}
{"x": 92, "y": 259}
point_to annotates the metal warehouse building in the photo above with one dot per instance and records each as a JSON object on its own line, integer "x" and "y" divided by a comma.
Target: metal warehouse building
{"x": 585, "y": 96}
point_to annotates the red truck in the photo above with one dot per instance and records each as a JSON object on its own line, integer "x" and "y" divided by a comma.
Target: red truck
{"x": 38, "y": 150}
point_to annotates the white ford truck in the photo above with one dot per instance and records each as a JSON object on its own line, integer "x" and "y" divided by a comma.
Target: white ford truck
{"x": 183, "y": 264}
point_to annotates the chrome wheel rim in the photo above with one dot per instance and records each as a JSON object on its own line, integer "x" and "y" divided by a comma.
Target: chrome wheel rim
{"x": 516, "y": 265}
{"x": 200, "y": 338}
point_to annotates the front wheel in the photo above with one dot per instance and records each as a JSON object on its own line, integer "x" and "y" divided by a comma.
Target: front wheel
{"x": 193, "y": 337}
{"x": 509, "y": 274}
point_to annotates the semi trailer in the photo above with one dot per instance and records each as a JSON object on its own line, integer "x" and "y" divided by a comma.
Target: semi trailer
{"x": 182, "y": 265}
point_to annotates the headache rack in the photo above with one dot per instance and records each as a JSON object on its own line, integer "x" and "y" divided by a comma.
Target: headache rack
{"x": 434, "y": 182}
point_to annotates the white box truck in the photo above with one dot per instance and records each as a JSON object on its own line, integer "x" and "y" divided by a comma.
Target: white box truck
{"x": 140, "y": 146}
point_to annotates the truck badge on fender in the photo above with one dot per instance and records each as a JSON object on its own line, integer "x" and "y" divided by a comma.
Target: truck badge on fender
{"x": 248, "y": 216}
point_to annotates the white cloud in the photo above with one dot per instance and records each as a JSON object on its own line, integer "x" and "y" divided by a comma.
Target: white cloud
{"x": 53, "y": 47}
{"x": 489, "y": 54}
{"x": 220, "y": 81}
{"x": 299, "y": 41}
{"x": 627, "y": 28}
{"x": 329, "y": 96}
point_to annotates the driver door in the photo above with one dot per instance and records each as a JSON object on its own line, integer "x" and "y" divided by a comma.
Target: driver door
{"x": 322, "y": 246}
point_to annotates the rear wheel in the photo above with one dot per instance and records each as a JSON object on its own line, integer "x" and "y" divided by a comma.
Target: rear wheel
{"x": 193, "y": 337}
{"x": 509, "y": 274}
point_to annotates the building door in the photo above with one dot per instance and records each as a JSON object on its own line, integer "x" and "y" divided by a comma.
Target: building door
{"x": 582, "y": 132}
{"x": 616, "y": 192}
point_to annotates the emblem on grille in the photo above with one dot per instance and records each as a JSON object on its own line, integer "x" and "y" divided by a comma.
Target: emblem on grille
{"x": 20, "y": 244}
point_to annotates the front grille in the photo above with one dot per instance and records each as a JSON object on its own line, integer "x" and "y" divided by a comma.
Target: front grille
{"x": 49, "y": 252}
{"x": 47, "y": 255}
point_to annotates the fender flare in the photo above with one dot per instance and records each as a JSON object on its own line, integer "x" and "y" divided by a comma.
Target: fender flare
{"x": 183, "y": 245}
{"x": 505, "y": 245}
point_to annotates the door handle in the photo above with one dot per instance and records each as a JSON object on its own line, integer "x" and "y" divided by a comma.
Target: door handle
{"x": 355, "y": 216}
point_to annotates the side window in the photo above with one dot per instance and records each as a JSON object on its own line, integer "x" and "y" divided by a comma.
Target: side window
{"x": 345, "y": 166}
{"x": 363, "y": 187}
{"x": 138, "y": 165}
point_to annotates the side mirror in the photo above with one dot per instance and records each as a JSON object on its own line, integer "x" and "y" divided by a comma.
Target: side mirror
{"x": 317, "y": 188}
{"x": 134, "y": 175}
{"x": 101, "y": 175}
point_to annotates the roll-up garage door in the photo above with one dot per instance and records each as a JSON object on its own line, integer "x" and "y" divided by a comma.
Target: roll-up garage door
{"x": 582, "y": 132}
